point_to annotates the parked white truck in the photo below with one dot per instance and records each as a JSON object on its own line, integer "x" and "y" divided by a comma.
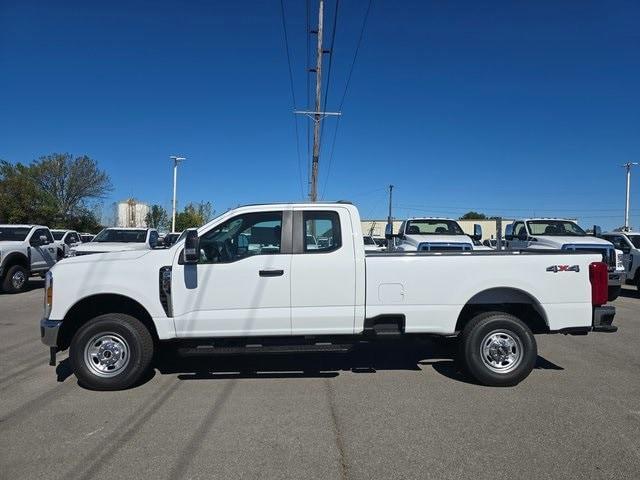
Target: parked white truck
{"x": 432, "y": 234}
{"x": 25, "y": 250}
{"x": 118, "y": 240}
{"x": 562, "y": 234}
{"x": 629, "y": 244}
{"x": 66, "y": 240}
{"x": 212, "y": 294}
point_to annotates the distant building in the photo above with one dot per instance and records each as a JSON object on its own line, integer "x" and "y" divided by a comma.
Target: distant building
{"x": 131, "y": 213}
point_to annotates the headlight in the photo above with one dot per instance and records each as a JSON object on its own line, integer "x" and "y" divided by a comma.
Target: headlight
{"x": 48, "y": 293}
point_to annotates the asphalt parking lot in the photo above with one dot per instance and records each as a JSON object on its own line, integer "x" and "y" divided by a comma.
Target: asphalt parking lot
{"x": 386, "y": 412}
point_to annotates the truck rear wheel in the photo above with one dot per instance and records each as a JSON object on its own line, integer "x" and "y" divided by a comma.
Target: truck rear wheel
{"x": 498, "y": 349}
{"x": 111, "y": 352}
{"x": 16, "y": 279}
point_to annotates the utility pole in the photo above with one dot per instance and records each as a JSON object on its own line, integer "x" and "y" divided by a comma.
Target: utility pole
{"x": 389, "y": 217}
{"x": 628, "y": 166}
{"x": 317, "y": 115}
{"x": 176, "y": 161}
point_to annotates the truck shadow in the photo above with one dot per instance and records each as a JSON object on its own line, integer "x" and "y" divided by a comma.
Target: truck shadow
{"x": 364, "y": 359}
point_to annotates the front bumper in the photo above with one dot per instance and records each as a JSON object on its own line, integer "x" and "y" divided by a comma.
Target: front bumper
{"x": 49, "y": 331}
{"x": 616, "y": 279}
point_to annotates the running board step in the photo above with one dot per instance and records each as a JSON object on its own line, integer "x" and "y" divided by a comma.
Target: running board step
{"x": 257, "y": 348}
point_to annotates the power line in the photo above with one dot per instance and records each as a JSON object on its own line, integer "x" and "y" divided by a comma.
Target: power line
{"x": 344, "y": 95}
{"x": 293, "y": 94}
{"x": 331, "y": 49}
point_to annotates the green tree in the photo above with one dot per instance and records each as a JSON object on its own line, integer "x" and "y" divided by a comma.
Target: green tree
{"x": 157, "y": 217}
{"x": 57, "y": 190}
{"x": 194, "y": 215}
{"x": 473, "y": 216}
{"x": 71, "y": 182}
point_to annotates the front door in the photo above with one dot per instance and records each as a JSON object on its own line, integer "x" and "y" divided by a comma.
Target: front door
{"x": 241, "y": 285}
{"x": 43, "y": 256}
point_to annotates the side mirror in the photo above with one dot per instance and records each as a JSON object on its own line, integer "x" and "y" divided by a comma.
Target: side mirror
{"x": 191, "y": 246}
{"x": 477, "y": 232}
{"x": 153, "y": 242}
{"x": 41, "y": 240}
{"x": 522, "y": 235}
{"x": 597, "y": 231}
{"x": 388, "y": 231}
{"x": 508, "y": 234}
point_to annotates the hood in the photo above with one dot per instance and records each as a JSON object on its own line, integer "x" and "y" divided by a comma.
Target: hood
{"x": 558, "y": 242}
{"x": 110, "y": 247}
{"x": 105, "y": 257}
{"x": 418, "y": 239}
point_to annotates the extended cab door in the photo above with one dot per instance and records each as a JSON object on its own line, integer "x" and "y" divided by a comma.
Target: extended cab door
{"x": 241, "y": 285}
{"x": 323, "y": 274}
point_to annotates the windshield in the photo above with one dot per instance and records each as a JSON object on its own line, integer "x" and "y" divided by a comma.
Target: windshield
{"x": 433, "y": 227}
{"x": 369, "y": 241}
{"x": 121, "y": 236}
{"x": 14, "y": 234}
{"x": 57, "y": 234}
{"x": 555, "y": 228}
{"x": 635, "y": 239}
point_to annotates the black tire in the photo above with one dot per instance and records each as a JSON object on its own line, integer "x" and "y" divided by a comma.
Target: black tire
{"x": 122, "y": 330}
{"x": 8, "y": 284}
{"x": 507, "y": 328}
{"x": 614, "y": 292}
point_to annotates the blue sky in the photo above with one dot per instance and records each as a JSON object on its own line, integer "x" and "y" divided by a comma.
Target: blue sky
{"x": 511, "y": 108}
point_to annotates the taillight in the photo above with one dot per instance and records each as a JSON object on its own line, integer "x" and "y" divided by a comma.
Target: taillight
{"x": 599, "y": 278}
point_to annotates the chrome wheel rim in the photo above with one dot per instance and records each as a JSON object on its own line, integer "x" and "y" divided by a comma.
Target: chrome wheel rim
{"x": 501, "y": 351}
{"x": 18, "y": 280}
{"x": 106, "y": 354}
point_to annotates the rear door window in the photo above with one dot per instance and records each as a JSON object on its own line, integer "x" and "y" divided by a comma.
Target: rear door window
{"x": 321, "y": 231}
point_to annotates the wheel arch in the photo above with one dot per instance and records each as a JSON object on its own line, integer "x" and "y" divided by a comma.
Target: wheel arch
{"x": 16, "y": 258}
{"x": 91, "y": 306}
{"x": 510, "y": 300}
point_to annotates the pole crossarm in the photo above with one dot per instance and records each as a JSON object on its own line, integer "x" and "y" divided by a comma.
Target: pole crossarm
{"x": 315, "y": 116}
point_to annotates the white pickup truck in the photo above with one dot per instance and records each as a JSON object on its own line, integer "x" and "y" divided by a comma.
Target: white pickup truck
{"x": 432, "y": 234}
{"x": 118, "y": 240}
{"x": 66, "y": 240}
{"x": 249, "y": 282}
{"x": 25, "y": 250}
{"x": 561, "y": 234}
{"x": 629, "y": 244}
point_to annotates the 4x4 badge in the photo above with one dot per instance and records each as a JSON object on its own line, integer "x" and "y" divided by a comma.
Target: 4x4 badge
{"x": 563, "y": 268}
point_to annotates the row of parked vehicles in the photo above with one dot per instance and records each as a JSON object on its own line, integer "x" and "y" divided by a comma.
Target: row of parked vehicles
{"x": 31, "y": 250}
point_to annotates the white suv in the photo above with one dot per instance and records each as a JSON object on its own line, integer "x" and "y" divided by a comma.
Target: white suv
{"x": 25, "y": 250}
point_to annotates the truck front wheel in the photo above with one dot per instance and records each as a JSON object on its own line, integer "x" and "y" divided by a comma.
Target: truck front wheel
{"x": 111, "y": 352}
{"x": 498, "y": 349}
{"x": 15, "y": 279}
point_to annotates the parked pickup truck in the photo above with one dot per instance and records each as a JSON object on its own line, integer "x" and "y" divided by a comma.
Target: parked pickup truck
{"x": 561, "y": 234}
{"x": 25, "y": 250}
{"x": 629, "y": 244}
{"x": 435, "y": 235}
{"x": 211, "y": 293}
{"x": 117, "y": 240}
{"x": 66, "y": 240}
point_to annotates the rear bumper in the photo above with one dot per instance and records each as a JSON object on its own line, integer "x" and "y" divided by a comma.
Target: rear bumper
{"x": 616, "y": 279}
{"x": 603, "y": 319}
{"x": 49, "y": 331}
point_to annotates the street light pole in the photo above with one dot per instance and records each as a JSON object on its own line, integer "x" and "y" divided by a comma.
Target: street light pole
{"x": 628, "y": 166}
{"x": 176, "y": 161}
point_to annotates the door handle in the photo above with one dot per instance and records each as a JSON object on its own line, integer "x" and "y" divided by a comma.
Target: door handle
{"x": 271, "y": 273}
